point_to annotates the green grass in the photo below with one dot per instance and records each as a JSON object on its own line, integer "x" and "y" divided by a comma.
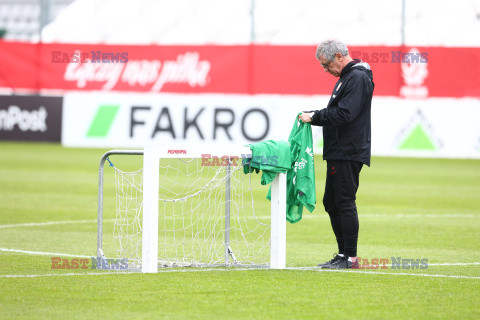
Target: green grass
{"x": 410, "y": 208}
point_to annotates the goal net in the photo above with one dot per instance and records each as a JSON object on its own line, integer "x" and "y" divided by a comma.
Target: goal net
{"x": 191, "y": 209}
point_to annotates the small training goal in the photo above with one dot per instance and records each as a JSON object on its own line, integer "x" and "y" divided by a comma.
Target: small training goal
{"x": 191, "y": 208}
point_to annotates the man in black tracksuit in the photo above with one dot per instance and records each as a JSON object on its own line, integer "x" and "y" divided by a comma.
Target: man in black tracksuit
{"x": 346, "y": 125}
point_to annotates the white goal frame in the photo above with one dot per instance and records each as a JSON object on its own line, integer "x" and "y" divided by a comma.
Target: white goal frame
{"x": 151, "y": 158}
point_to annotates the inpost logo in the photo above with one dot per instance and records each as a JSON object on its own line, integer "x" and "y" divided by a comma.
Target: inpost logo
{"x": 26, "y": 120}
{"x": 103, "y": 120}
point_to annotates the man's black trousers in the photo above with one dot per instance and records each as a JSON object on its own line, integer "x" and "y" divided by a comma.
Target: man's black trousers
{"x": 341, "y": 188}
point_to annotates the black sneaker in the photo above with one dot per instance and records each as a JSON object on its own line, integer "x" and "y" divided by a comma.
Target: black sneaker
{"x": 336, "y": 257}
{"x": 342, "y": 263}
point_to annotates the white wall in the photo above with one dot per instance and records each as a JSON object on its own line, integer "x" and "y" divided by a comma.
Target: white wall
{"x": 369, "y": 22}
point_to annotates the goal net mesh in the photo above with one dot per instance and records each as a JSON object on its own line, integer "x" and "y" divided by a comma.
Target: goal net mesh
{"x": 192, "y": 216}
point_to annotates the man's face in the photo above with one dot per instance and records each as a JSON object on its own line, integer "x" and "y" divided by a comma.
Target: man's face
{"x": 333, "y": 67}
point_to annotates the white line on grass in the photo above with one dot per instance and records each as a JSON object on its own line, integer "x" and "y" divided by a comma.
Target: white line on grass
{"x": 399, "y": 274}
{"x": 35, "y": 224}
{"x": 243, "y": 269}
{"x": 60, "y": 274}
{"x": 454, "y": 264}
{"x": 393, "y": 215}
{"x": 429, "y": 265}
{"x": 367, "y": 215}
{"x": 305, "y": 268}
{"x": 53, "y": 254}
{"x": 122, "y": 272}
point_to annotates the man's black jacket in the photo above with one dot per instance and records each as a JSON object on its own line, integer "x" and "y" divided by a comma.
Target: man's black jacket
{"x": 346, "y": 120}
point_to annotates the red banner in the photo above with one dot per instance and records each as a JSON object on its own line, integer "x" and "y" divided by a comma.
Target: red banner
{"x": 257, "y": 69}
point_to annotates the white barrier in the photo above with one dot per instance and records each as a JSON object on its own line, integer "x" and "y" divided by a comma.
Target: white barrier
{"x": 433, "y": 127}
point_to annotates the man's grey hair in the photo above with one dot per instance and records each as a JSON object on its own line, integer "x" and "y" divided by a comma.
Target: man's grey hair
{"x": 329, "y": 48}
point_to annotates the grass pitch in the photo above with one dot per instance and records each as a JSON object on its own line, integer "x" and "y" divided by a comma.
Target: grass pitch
{"x": 408, "y": 208}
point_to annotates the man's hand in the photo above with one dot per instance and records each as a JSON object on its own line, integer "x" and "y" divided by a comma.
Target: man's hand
{"x": 306, "y": 116}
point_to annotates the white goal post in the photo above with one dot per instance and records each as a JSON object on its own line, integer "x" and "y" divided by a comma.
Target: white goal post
{"x": 191, "y": 219}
